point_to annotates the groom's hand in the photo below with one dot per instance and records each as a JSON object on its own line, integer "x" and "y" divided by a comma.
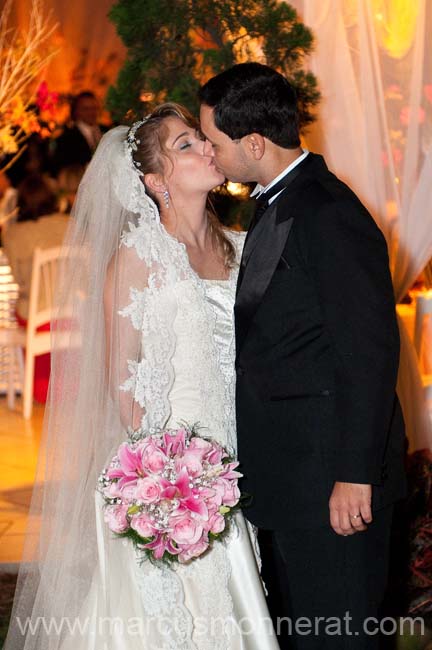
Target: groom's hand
{"x": 350, "y": 507}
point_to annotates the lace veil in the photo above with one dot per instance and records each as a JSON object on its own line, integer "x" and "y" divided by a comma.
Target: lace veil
{"x": 115, "y": 248}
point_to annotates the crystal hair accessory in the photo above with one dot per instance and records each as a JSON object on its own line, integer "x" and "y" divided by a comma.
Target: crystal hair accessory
{"x": 132, "y": 142}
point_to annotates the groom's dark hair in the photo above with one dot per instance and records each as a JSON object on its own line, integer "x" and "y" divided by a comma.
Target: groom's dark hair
{"x": 254, "y": 98}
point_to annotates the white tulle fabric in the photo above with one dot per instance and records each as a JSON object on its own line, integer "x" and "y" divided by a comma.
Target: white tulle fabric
{"x": 151, "y": 344}
{"x": 375, "y": 129}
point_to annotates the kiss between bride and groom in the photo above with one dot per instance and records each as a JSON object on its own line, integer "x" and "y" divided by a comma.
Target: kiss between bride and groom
{"x": 283, "y": 346}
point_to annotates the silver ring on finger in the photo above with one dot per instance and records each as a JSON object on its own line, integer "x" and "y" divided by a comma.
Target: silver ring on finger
{"x": 354, "y": 516}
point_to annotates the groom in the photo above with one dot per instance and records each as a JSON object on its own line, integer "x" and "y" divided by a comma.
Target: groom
{"x": 320, "y": 430}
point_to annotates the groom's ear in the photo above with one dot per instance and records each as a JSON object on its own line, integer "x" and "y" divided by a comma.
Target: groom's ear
{"x": 255, "y": 145}
{"x": 155, "y": 183}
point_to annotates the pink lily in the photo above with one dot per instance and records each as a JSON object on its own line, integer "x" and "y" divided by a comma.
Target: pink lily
{"x": 229, "y": 472}
{"x": 131, "y": 466}
{"x": 174, "y": 444}
{"x": 216, "y": 456}
{"x": 186, "y": 495}
{"x": 160, "y": 544}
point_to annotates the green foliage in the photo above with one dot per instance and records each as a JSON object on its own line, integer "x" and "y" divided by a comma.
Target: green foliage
{"x": 175, "y": 45}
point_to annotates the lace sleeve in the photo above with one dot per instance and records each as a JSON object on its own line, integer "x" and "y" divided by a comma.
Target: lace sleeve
{"x": 125, "y": 287}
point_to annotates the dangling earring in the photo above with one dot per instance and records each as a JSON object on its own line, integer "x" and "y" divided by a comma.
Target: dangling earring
{"x": 166, "y": 198}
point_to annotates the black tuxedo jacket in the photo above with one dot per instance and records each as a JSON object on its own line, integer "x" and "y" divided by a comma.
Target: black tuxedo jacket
{"x": 317, "y": 354}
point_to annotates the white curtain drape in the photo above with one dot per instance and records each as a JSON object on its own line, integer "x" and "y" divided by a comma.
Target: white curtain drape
{"x": 375, "y": 131}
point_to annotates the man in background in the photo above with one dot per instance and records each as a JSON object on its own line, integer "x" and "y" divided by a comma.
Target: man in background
{"x": 77, "y": 143}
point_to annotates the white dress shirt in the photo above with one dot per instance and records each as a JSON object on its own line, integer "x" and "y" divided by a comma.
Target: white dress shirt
{"x": 259, "y": 189}
{"x": 91, "y": 133}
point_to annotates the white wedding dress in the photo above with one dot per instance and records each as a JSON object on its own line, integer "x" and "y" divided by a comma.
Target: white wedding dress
{"x": 216, "y": 602}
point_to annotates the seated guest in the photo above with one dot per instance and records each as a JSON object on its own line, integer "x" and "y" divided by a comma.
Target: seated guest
{"x": 75, "y": 146}
{"x": 38, "y": 225}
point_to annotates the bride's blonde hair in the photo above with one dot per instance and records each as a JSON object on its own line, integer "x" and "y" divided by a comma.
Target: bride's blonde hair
{"x": 149, "y": 156}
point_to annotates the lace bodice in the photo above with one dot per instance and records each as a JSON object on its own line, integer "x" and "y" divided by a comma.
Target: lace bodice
{"x": 186, "y": 369}
{"x": 203, "y": 360}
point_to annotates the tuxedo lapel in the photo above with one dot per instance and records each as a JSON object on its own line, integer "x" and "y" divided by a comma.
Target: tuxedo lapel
{"x": 260, "y": 264}
{"x": 264, "y": 245}
{"x": 255, "y": 233}
{"x": 253, "y": 237}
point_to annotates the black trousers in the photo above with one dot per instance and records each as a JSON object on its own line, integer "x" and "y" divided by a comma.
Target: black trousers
{"x": 325, "y": 590}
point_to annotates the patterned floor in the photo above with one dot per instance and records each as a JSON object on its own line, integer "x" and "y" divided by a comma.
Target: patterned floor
{"x": 19, "y": 444}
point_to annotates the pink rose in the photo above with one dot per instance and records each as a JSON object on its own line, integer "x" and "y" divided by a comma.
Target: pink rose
{"x": 192, "y": 462}
{"x": 115, "y": 517}
{"x": 143, "y": 525}
{"x": 216, "y": 523}
{"x": 195, "y": 550}
{"x": 231, "y": 493}
{"x": 186, "y": 530}
{"x": 127, "y": 493}
{"x": 153, "y": 458}
{"x": 148, "y": 490}
{"x": 200, "y": 447}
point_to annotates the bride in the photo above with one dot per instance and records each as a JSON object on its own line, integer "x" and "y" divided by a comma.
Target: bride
{"x": 147, "y": 290}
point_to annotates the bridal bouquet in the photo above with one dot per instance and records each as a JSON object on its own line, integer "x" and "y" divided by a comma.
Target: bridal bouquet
{"x": 172, "y": 493}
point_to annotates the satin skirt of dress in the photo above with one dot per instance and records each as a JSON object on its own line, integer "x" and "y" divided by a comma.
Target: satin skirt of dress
{"x": 137, "y": 606}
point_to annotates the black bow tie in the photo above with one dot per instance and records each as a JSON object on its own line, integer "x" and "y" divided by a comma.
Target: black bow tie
{"x": 261, "y": 205}
{"x": 262, "y": 202}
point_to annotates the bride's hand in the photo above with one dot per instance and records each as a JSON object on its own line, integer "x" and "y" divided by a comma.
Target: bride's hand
{"x": 350, "y": 507}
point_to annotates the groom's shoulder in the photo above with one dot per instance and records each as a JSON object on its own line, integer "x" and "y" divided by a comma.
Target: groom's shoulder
{"x": 326, "y": 202}
{"x": 323, "y": 188}
{"x": 324, "y": 193}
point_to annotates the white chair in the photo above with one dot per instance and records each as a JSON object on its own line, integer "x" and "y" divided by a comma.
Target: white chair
{"x": 423, "y": 309}
{"x": 44, "y": 270}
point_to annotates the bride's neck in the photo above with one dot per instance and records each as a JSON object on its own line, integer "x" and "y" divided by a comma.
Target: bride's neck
{"x": 187, "y": 222}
